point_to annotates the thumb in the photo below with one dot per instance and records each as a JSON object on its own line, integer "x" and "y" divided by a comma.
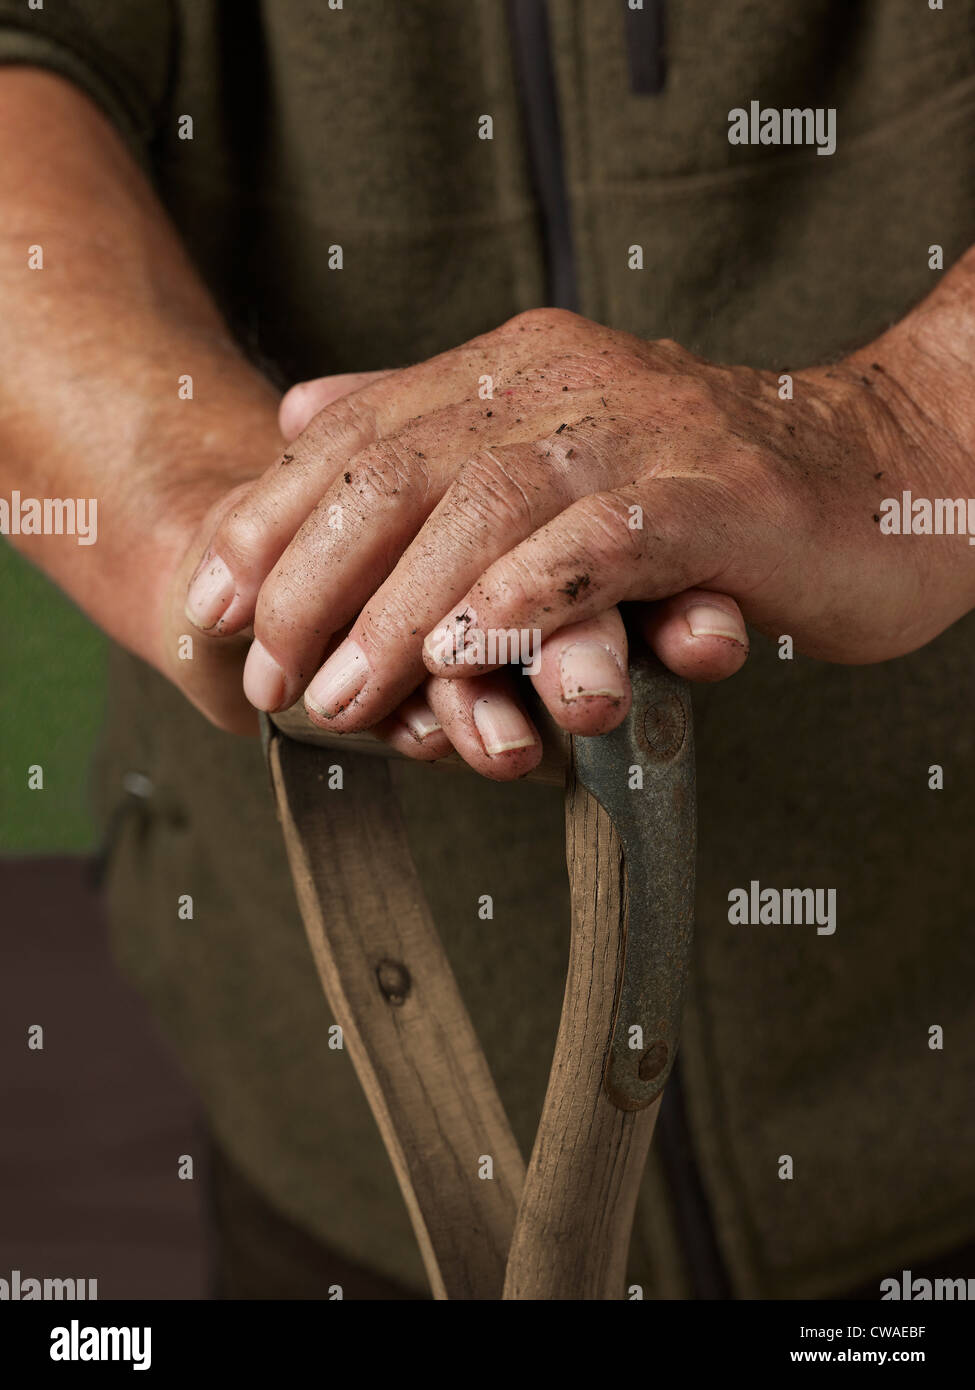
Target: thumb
{"x": 303, "y": 402}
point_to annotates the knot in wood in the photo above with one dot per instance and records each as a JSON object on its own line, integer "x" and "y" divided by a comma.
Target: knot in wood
{"x": 394, "y": 980}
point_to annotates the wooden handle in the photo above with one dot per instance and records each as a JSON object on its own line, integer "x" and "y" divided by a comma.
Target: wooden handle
{"x": 572, "y": 1235}
{"x": 563, "y": 1230}
{"x": 555, "y": 741}
{"x": 404, "y": 1024}
{"x": 630, "y": 848}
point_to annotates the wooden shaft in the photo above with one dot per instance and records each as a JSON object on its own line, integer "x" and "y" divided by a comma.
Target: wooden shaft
{"x": 573, "y": 1229}
{"x": 404, "y": 1023}
{"x": 564, "y": 1229}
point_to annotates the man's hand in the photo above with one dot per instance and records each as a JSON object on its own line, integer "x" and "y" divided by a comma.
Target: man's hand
{"x": 587, "y": 686}
{"x": 583, "y": 666}
{"x": 602, "y": 469}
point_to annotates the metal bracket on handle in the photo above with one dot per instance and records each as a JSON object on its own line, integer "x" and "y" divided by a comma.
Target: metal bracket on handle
{"x": 642, "y": 774}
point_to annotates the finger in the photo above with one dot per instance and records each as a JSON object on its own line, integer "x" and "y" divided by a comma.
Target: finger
{"x": 582, "y": 676}
{"x": 582, "y": 563}
{"x": 251, "y": 536}
{"x": 301, "y": 404}
{"x": 414, "y": 730}
{"x": 207, "y": 671}
{"x": 251, "y": 539}
{"x": 338, "y": 562}
{"x": 487, "y": 724}
{"x": 697, "y": 634}
{"x": 499, "y": 496}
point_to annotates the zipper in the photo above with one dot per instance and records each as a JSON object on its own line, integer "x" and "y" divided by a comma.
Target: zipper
{"x": 535, "y": 82}
{"x": 644, "y": 34}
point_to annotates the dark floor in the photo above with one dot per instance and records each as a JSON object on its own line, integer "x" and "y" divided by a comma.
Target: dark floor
{"x": 92, "y": 1127}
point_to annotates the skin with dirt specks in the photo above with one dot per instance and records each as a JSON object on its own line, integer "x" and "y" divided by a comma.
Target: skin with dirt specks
{"x": 607, "y": 470}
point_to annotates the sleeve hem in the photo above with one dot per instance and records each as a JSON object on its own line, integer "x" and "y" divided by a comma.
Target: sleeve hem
{"x": 83, "y": 70}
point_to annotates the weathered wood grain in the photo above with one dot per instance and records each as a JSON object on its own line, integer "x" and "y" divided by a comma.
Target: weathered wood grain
{"x": 404, "y": 1023}
{"x": 576, "y": 1214}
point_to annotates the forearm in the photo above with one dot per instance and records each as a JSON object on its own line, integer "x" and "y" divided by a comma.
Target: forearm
{"x": 92, "y": 351}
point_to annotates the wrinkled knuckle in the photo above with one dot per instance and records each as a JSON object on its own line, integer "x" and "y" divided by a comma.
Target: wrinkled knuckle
{"x": 391, "y": 614}
{"x": 510, "y": 589}
{"x": 344, "y": 427}
{"x": 242, "y": 537}
{"x": 610, "y": 533}
{"x": 486, "y": 492}
{"x": 355, "y": 412}
{"x": 385, "y": 472}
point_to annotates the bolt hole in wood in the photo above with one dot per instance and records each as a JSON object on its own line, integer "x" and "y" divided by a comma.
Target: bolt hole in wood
{"x": 394, "y": 981}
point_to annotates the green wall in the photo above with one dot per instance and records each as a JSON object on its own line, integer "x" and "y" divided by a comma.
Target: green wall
{"x": 52, "y": 674}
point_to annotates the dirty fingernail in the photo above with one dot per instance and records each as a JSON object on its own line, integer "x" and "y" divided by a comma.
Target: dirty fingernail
{"x": 420, "y": 720}
{"x": 339, "y": 681}
{"x": 210, "y": 593}
{"x": 264, "y": 682}
{"x": 450, "y": 641}
{"x": 705, "y": 621}
{"x": 589, "y": 668}
{"x": 501, "y": 725}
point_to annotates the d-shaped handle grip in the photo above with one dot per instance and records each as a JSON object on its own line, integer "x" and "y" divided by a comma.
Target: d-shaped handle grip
{"x": 555, "y": 741}
{"x": 642, "y": 774}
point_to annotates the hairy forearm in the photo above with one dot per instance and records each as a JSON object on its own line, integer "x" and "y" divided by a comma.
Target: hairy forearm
{"x": 93, "y": 347}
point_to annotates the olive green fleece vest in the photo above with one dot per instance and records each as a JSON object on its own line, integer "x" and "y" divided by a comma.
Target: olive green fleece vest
{"x": 358, "y": 128}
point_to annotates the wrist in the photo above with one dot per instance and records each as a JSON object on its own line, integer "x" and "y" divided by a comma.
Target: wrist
{"x": 922, "y": 374}
{"x": 153, "y": 508}
{"x": 923, "y": 369}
